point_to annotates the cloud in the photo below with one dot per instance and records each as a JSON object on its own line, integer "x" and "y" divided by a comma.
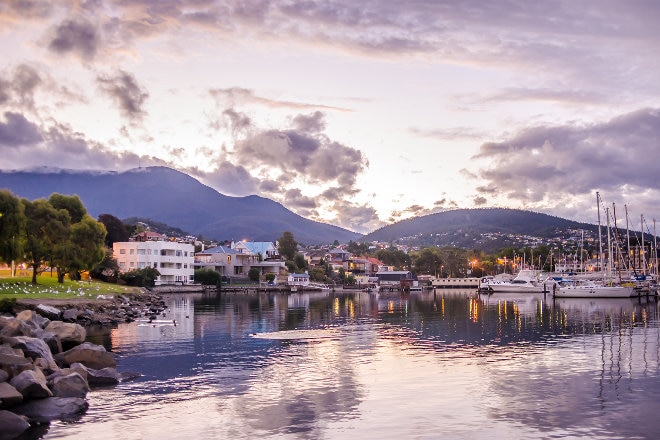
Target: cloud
{"x": 75, "y": 36}
{"x": 558, "y": 165}
{"x": 295, "y": 199}
{"x": 125, "y": 90}
{"x": 18, "y": 131}
{"x": 233, "y": 180}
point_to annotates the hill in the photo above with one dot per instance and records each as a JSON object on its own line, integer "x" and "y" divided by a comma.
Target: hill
{"x": 487, "y": 229}
{"x": 172, "y": 197}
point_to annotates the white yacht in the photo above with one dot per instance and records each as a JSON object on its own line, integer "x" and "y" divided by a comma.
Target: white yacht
{"x": 527, "y": 281}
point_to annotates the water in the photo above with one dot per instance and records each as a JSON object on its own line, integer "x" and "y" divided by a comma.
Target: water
{"x": 449, "y": 364}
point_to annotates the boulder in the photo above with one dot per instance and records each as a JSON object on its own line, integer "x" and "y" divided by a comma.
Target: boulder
{"x": 72, "y": 385}
{"x": 4, "y": 376}
{"x": 70, "y": 315}
{"x": 51, "y": 339}
{"x": 103, "y": 377}
{"x": 50, "y": 312}
{"x": 91, "y": 355}
{"x": 32, "y": 347}
{"x": 53, "y": 408}
{"x": 14, "y": 364}
{"x": 31, "y": 384}
{"x": 9, "y": 396}
{"x": 14, "y": 327}
{"x": 12, "y": 425}
{"x": 69, "y": 333}
{"x": 33, "y": 319}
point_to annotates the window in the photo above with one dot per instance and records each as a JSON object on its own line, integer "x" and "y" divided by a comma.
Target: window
{"x": 142, "y": 251}
{"x": 185, "y": 265}
{"x": 178, "y": 253}
{"x": 132, "y": 251}
{"x": 131, "y": 264}
{"x": 178, "y": 265}
{"x": 141, "y": 264}
{"x": 155, "y": 265}
{"x": 122, "y": 251}
{"x": 185, "y": 253}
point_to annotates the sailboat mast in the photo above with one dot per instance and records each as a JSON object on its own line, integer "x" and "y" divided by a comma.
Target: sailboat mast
{"x": 631, "y": 265}
{"x": 655, "y": 250}
{"x": 609, "y": 244}
{"x": 600, "y": 240}
{"x": 643, "y": 246}
{"x": 616, "y": 242}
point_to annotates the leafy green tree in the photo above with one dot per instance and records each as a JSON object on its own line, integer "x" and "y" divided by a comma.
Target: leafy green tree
{"x": 83, "y": 246}
{"x": 88, "y": 238}
{"x": 208, "y": 277}
{"x": 287, "y": 246}
{"x": 254, "y": 273}
{"x": 117, "y": 230}
{"x": 427, "y": 261}
{"x": 318, "y": 274}
{"x": 107, "y": 270}
{"x": 356, "y": 248}
{"x": 72, "y": 204}
{"x": 394, "y": 257}
{"x": 300, "y": 261}
{"x": 45, "y": 230}
{"x": 12, "y": 228}
{"x": 270, "y": 277}
{"x": 141, "y": 277}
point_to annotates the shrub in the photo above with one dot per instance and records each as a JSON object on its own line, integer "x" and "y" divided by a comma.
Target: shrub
{"x": 207, "y": 277}
{"x": 254, "y": 274}
{"x": 141, "y": 277}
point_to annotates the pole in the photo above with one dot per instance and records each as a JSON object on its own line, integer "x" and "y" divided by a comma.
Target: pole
{"x": 600, "y": 241}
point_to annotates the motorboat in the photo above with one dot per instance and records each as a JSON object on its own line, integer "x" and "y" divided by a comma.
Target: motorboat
{"x": 527, "y": 281}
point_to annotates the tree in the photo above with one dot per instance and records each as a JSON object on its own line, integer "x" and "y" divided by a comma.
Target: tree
{"x": 394, "y": 257}
{"x": 107, "y": 270}
{"x": 208, "y": 277}
{"x": 428, "y": 261}
{"x": 142, "y": 277}
{"x": 88, "y": 238}
{"x": 12, "y": 228}
{"x": 82, "y": 245}
{"x": 287, "y": 246}
{"x": 46, "y": 228}
{"x": 72, "y": 204}
{"x": 254, "y": 273}
{"x": 117, "y": 230}
{"x": 300, "y": 261}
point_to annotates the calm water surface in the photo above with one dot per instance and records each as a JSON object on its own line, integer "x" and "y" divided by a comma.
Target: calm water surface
{"x": 449, "y": 364}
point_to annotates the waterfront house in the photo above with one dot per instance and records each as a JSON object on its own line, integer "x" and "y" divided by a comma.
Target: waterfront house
{"x": 298, "y": 279}
{"x": 395, "y": 278}
{"x": 174, "y": 260}
{"x": 240, "y": 257}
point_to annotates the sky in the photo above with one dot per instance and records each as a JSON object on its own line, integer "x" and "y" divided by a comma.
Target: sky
{"x": 354, "y": 113}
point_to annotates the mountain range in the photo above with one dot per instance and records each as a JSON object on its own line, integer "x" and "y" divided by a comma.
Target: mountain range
{"x": 174, "y": 198}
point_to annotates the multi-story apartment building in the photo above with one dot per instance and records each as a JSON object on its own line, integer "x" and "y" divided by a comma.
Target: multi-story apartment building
{"x": 173, "y": 260}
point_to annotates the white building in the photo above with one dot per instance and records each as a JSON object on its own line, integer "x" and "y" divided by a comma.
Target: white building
{"x": 174, "y": 260}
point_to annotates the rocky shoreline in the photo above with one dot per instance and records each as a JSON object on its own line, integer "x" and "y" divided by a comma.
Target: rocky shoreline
{"x": 47, "y": 367}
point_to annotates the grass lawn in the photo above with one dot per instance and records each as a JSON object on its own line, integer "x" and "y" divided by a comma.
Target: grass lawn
{"x": 21, "y": 287}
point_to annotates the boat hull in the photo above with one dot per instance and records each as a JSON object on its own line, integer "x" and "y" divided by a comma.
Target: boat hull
{"x": 595, "y": 292}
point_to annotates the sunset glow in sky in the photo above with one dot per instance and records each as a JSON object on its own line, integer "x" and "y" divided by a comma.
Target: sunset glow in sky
{"x": 351, "y": 113}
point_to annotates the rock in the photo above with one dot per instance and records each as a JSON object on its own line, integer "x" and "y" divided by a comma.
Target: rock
{"x": 127, "y": 376}
{"x": 32, "y": 347}
{"x": 51, "y": 339}
{"x": 103, "y": 377}
{"x": 53, "y": 408}
{"x": 69, "y": 333}
{"x": 12, "y": 425}
{"x": 4, "y": 376}
{"x": 14, "y": 364}
{"x": 9, "y": 396}
{"x": 50, "y": 312}
{"x": 70, "y": 315}
{"x": 90, "y": 355}
{"x": 33, "y": 319}
{"x": 14, "y": 327}
{"x": 31, "y": 384}
{"x": 72, "y": 385}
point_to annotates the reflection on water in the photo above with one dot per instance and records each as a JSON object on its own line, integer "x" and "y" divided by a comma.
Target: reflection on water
{"x": 449, "y": 364}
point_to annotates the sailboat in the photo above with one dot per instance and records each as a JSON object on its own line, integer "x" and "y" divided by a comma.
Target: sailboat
{"x": 604, "y": 289}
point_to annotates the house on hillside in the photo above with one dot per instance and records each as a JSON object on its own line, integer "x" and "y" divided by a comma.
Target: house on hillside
{"x": 266, "y": 249}
{"x": 173, "y": 260}
{"x": 363, "y": 266}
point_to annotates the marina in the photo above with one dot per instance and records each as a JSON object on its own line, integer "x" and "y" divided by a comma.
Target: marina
{"x": 348, "y": 364}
